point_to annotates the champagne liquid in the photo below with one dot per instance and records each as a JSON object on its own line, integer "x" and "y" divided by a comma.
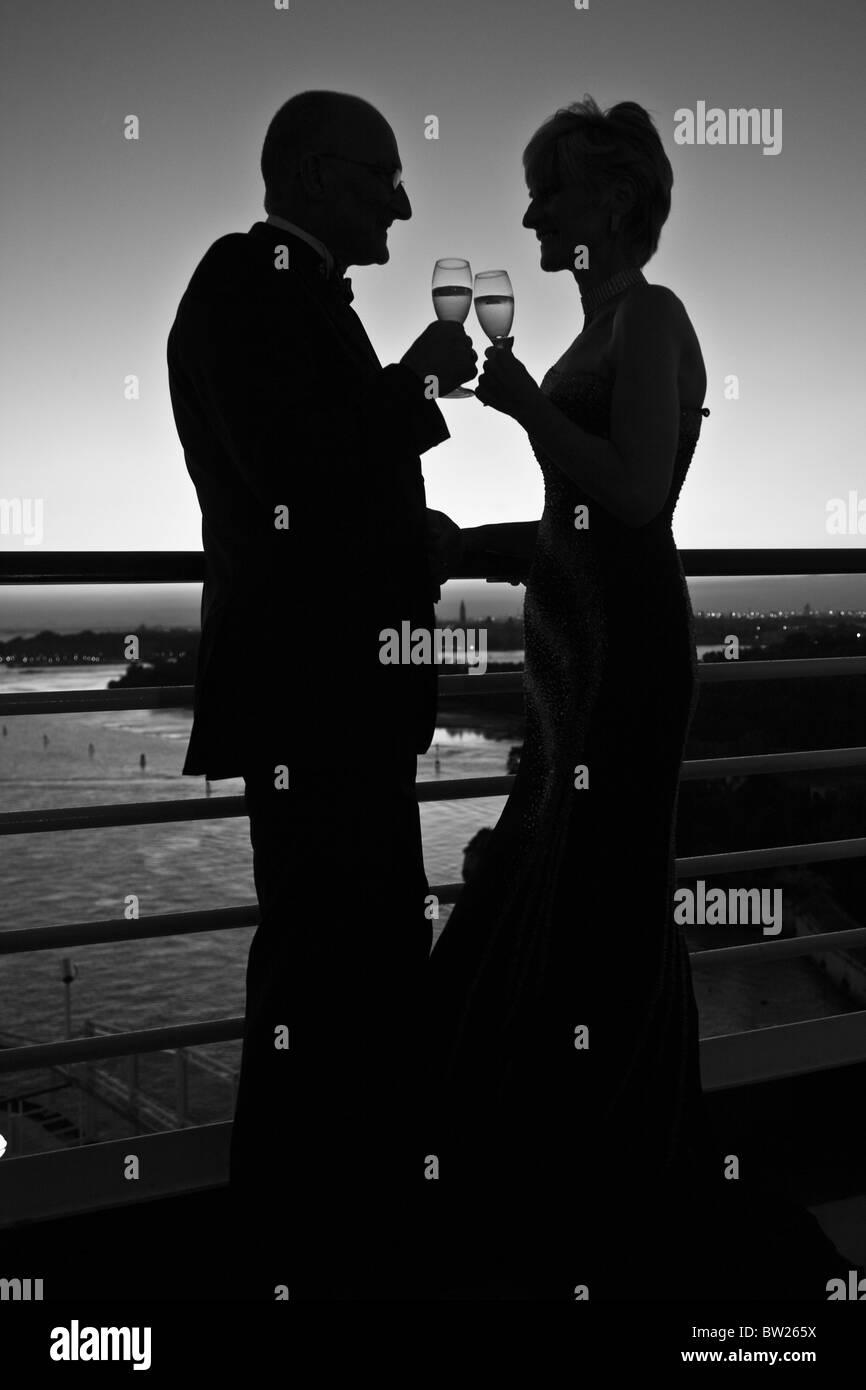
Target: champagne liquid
{"x": 495, "y": 313}
{"x": 452, "y": 302}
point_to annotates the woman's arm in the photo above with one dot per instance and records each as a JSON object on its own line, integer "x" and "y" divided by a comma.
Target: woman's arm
{"x": 501, "y": 547}
{"x": 630, "y": 473}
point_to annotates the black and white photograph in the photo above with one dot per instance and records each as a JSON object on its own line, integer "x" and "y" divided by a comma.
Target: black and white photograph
{"x": 432, "y": 673}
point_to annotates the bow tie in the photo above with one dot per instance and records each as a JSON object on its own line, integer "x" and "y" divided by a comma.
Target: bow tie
{"x": 340, "y": 285}
{"x": 343, "y": 287}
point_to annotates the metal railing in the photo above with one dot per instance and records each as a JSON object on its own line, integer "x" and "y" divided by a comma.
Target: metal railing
{"x": 188, "y": 566}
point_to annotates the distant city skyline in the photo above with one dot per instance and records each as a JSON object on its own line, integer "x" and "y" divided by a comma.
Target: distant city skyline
{"x": 71, "y": 608}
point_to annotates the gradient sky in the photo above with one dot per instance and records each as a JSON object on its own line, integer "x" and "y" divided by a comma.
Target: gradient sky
{"x": 101, "y": 235}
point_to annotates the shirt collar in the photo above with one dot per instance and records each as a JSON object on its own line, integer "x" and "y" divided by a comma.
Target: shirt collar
{"x": 307, "y": 237}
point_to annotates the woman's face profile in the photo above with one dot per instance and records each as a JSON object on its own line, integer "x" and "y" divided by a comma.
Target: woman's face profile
{"x": 564, "y": 216}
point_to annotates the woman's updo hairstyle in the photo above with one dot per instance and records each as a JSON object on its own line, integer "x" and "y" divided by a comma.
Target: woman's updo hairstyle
{"x": 582, "y": 144}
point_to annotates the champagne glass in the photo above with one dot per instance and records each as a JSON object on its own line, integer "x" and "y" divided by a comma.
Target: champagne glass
{"x": 494, "y": 304}
{"x": 452, "y": 300}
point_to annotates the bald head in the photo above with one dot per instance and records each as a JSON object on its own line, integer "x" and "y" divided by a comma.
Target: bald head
{"x": 313, "y": 123}
{"x": 328, "y": 162}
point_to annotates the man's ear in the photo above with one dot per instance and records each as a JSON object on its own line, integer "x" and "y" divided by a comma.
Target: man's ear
{"x": 311, "y": 174}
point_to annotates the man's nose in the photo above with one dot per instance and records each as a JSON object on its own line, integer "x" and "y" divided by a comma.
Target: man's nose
{"x": 402, "y": 206}
{"x": 530, "y": 218}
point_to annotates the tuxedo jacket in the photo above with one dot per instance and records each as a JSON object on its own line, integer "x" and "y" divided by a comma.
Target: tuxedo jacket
{"x": 305, "y": 455}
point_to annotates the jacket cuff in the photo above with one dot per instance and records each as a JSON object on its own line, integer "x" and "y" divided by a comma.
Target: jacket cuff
{"x": 423, "y": 417}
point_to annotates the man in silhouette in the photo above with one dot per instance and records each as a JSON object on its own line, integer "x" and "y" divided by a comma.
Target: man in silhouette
{"x": 305, "y": 454}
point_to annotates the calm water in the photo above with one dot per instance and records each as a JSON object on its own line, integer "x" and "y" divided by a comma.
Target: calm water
{"x": 86, "y": 875}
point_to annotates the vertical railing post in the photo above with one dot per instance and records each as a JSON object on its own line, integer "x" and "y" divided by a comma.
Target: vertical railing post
{"x": 80, "y": 1075}
{"x": 90, "y": 1123}
{"x": 132, "y": 1084}
{"x": 181, "y": 1086}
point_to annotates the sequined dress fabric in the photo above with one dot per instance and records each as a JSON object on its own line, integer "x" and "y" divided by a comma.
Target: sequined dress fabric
{"x": 568, "y": 923}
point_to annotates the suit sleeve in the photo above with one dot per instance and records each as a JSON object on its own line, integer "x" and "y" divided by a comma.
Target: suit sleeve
{"x": 260, "y": 380}
{"x": 424, "y": 420}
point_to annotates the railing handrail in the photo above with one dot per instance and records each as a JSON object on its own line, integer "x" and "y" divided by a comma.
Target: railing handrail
{"x": 112, "y": 814}
{"x": 847, "y": 1028}
{"x": 168, "y": 1036}
{"x": 114, "y": 931}
{"x": 36, "y": 566}
{"x": 450, "y": 686}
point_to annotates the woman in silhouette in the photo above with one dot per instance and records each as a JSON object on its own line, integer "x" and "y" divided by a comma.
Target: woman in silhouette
{"x": 567, "y": 1113}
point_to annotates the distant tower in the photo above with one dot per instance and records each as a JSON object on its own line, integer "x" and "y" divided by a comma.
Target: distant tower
{"x": 462, "y": 613}
{"x": 807, "y": 610}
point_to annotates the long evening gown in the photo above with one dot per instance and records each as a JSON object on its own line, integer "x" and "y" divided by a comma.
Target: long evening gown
{"x": 565, "y": 1098}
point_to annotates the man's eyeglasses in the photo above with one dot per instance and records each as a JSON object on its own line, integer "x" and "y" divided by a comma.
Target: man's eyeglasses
{"x": 395, "y": 177}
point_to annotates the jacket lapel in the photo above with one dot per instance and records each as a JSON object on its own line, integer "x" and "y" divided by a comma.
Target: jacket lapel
{"x": 304, "y": 263}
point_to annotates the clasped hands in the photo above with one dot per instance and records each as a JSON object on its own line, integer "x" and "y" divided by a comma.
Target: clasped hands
{"x": 444, "y": 545}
